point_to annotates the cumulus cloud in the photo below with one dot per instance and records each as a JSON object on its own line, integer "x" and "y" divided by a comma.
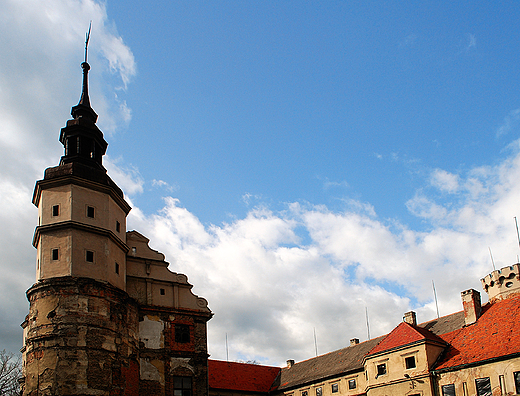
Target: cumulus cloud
{"x": 271, "y": 278}
{"x": 40, "y": 79}
{"x": 270, "y": 289}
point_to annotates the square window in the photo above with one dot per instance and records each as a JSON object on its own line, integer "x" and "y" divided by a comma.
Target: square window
{"x": 55, "y": 210}
{"x": 118, "y": 226}
{"x": 381, "y": 369}
{"x": 163, "y": 292}
{"x": 55, "y": 254}
{"x": 90, "y": 212}
{"x": 483, "y": 386}
{"x": 352, "y": 384}
{"x": 305, "y": 393}
{"x": 409, "y": 362}
{"x": 319, "y": 391}
{"x": 448, "y": 390}
{"x": 335, "y": 388}
{"x": 89, "y": 256}
{"x": 182, "y": 333}
{"x": 117, "y": 268}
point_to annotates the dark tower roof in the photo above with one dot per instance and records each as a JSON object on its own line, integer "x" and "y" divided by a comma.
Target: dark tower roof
{"x": 83, "y": 109}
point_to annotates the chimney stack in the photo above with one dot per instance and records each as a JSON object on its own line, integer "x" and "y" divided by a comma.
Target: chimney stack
{"x": 290, "y": 363}
{"x": 471, "y": 304}
{"x": 410, "y": 318}
{"x": 354, "y": 341}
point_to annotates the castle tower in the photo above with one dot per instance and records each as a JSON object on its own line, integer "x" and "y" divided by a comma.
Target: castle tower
{"x": 502, "y": 283}
{"x": 80, "y": 336}
{"x": 106, "y": 316}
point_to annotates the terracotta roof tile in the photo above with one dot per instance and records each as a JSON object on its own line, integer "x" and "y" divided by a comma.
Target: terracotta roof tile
{"x": 241, "y": 376}
{"x": 494, "y": 334}
{"x": 402, "y": 335}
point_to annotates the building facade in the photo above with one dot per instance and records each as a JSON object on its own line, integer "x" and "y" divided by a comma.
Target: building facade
{"x": 106, "y": 316}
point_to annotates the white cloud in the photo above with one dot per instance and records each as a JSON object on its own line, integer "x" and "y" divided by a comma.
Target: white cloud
{"x": 268, "y": 286}
{"x": 40, "y": 80}
{"x": 269, "y": 290}
{"x": 510, "y": 121}
{"x": 445, "y": 181}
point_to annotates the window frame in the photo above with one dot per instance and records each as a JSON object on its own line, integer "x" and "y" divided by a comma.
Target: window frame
{"x": 55, "y": 210}
{"x": 55, "y": 254}
{"x": 88, "y": 254}
{"x": 481, "y": 385}
{"x": 381, "y": 369}
{"x": 182, "y": 390}
{"x": 448, "y": 390}
{"x": 91, "y": 210}
{"x": 407, "y": 361}
{"x": 350, "y": 382}
{"x": 335, "y": 386}
{"x": 182, "y": 333}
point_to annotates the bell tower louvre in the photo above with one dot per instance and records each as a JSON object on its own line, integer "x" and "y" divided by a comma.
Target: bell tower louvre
{"x": 101, "y": 293}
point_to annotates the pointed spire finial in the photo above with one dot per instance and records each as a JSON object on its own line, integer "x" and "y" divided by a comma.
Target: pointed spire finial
{"x": 83, "y": 108}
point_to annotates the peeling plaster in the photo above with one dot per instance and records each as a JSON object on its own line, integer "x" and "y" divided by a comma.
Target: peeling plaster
{"x": 151, "y": 332}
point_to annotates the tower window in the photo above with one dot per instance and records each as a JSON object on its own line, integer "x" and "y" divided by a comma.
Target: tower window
{"x": 182, "y": 333}
{"x": 117, "y": 268}
{"x": 352, "y": 384}
{"x": 335, "y": 388}
{"x": 55, "y": 254}
{"x": 118, "y": 226}
{"x": 55, "y": 210}
{"x": 89, "y": 256}
{"x": 90, "y": 212}
{"x": 319, "y": 391}
{"x": 163, "y": 292}
{"x": 182, "y": 386}
{"x": 409, "y": 362}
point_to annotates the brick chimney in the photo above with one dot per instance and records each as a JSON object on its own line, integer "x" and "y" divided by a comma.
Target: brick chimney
{"x": 290, "y": 363}
{"x": 354, "y": 341}
{"x": 410, "y": 318}
{"x": 471, "y": 304}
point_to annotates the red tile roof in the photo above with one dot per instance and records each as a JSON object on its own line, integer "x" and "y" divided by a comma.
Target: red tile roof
{"x": 402, "y": 335}
{"x": 241, "y": 376}
{"x": 495, "y": 334}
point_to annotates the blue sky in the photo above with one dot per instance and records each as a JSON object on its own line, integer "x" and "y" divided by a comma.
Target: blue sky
{"x": 299, "y": 161}
{"x": 317, "y": 102}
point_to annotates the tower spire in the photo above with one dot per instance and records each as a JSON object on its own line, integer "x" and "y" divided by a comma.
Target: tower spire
{"x": 83, "y": 108}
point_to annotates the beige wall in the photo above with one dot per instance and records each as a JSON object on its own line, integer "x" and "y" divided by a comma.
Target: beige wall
{"x": 326, "y": 386}
{"x": 464, "y": 379}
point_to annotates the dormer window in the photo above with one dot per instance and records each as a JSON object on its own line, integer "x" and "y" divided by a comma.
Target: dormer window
{"x": 409, "y": 362}
{"x": 55, "y": 210}
{"x": 90, "y": 212}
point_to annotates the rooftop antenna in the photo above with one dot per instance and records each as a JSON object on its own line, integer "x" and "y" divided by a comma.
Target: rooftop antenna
{"x": 368, "y": 326}
{"x": 492, "y": 261}
{"x": 435, "y": 296}
{"x": 315, "y": 342}
{"x": 517, "y": 233}
{"x": 227, "y": 350}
